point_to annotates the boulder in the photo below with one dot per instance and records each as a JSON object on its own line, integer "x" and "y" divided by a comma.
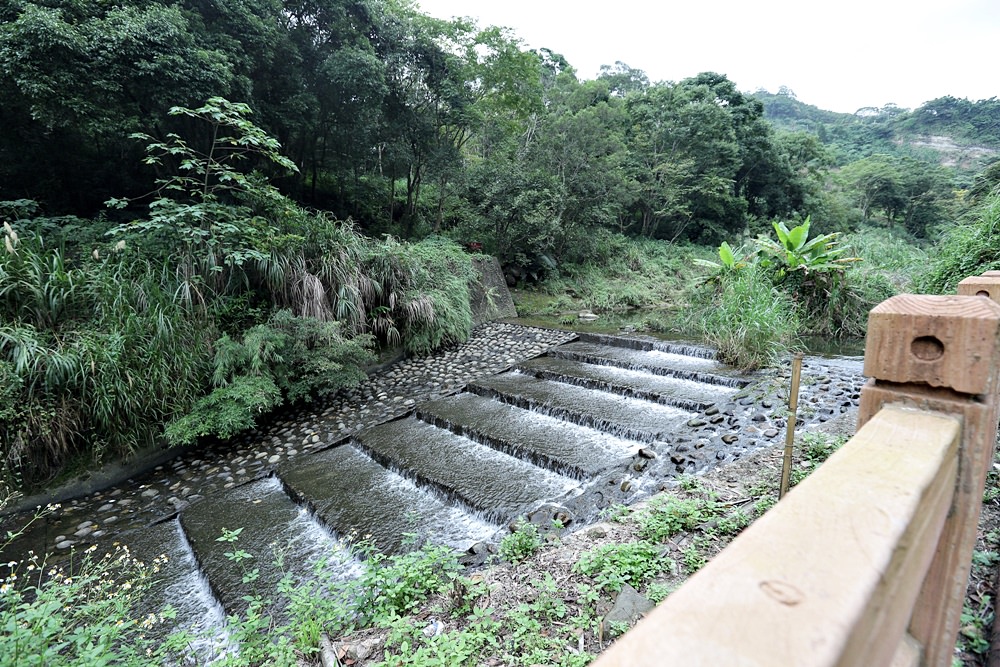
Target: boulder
{"x": 629, "y": 607}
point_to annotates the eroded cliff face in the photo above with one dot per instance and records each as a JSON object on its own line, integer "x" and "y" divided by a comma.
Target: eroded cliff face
{"x": 951, "y": 153}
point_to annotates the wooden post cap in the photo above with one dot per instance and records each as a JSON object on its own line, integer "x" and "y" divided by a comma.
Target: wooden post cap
{"x": 941, "y": 341}
{"x": 984, "y": 285}
{"x": 991, "y": 274}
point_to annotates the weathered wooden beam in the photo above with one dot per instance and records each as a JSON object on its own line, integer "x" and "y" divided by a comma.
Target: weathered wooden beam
{"x": 984, "y": 285}
{"x": 987, "y": 285}
{"x": 938, "y": 341}
{"x": 829, "y": 575}
{"x": 909, "y": 653}
{"x": 941, "y": 353}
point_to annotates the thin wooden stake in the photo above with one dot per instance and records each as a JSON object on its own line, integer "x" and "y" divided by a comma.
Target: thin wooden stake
{"x": 793, "y": 406}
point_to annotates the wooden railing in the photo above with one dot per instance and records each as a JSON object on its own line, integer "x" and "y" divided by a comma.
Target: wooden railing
{"x": 865, "y": 562}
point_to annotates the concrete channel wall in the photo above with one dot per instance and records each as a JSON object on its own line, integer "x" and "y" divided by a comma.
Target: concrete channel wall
{"x": 490, "y": 299}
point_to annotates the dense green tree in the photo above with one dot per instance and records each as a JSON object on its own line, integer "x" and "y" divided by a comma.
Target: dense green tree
{"x": 622, "y": 79}
{"x": 77, "y": 78}
{"x": 876, "y": 184}
{"x": 661, "y": 170}
{"x": 688, "y": 146}
{"x": 763, "y": 174}
{"x": 903, "y": 190}
{"x": 493, "y": 85}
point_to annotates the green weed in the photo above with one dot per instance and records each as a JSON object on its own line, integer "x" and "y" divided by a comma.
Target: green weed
{"x": 521, "y": 544}
{"x": 764, "y": 504}
{"x": 632, "y": 563}
{"x": 657, "y": 593}
{"x": 616, "y": 512}
{"x": 83, "y": 613}
{"x": 815, "y": 448}
{"x": 667, "y": 515}
{"x": 976, "y": 625}
{"x": 734, "y": 523}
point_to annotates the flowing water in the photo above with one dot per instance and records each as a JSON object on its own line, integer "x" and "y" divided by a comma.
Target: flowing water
{"x": 564, "y": 431}
{"x": 607, "y": 412}
{"x": 361, "y": 498}
{"x": 548, "y": 442}
{"x": 278, "y": 536}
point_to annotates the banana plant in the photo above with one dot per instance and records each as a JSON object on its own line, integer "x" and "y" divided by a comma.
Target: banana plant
{"x": 795, "y": 251}
{"x": 728, "y": 263}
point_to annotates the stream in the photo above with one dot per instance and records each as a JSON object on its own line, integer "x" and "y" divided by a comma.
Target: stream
{"x": 519, "y": 423}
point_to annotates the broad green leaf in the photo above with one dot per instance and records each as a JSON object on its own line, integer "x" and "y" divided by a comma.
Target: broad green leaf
{"x": 727, "y": 256}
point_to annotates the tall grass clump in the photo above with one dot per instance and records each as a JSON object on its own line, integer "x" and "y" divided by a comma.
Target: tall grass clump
{"x": 750, "y": 321}
{"x": 968, "y": 248}
{"x": 94, "y": 355}
{"x": 436, "y": 308}
{"x": 895, "y": 255}
{"x": 836, "y": 305}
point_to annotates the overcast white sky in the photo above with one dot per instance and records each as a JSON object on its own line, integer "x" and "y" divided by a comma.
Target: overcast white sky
{"x": 838, "y": 55}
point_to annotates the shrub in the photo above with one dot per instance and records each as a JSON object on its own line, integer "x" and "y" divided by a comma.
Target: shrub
{"x": 97, "y": 349}
{"x": 836, "y": 304}
{"x": 288, "y": 359}
{"x": 102, "y": 346}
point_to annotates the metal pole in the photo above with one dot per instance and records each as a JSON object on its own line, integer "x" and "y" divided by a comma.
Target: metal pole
{"x": 793, "y": 406}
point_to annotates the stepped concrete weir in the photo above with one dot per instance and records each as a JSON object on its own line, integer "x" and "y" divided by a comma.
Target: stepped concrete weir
{"x": 561, "y": 436}
{"x": 520, "y": 424}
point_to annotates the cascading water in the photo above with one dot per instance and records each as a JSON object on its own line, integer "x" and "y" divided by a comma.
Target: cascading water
{"x": 250, "y": 537}
{"x": 542, "y": 440}
{"x": 497, "y": 485}
{"x": 622, "y": 416}
{"x": 684, "y": 394}
{"x": 655, "y": 362}
{"x": 644, "y": 345}
{"x": 562, "y": 435}
{"x": 355, "y": 495}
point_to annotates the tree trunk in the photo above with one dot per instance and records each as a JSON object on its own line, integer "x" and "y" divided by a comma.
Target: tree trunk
{"x": 390, "y": 209}
{"x": 443, "y": 183}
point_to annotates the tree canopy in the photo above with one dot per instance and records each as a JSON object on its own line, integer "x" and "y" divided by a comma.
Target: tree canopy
{"x": 412, "y": 125}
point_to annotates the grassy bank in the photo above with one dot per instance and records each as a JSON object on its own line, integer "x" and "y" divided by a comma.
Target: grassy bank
{"x": 747, "y": 303}
{"x": 213, "y": 301}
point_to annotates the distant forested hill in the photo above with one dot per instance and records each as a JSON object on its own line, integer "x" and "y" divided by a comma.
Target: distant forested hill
{"x": 948, "y": 131}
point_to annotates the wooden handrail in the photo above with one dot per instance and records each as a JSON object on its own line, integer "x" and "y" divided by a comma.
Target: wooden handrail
{"x": 941, "y": 353}
{"x": 826, "y": 577}
{"x": 866, "y": 561}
